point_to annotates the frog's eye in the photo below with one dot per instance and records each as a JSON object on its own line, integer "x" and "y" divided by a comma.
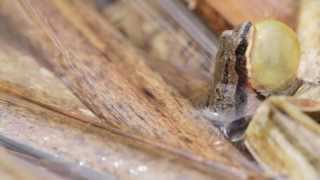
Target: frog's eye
{"x": 273, "y": 56}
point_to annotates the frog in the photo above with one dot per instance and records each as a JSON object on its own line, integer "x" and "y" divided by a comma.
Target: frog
{"x": 236, "y": 85}
{"x": 229, "y": 74}
{"x": 227, "y": 92}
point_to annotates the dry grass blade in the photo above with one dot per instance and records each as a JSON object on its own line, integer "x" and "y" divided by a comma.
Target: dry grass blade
{"x": 236, "y": 12}
{"x": 13, "y": 167}
{"x": 176, "y": 45}
{"x": 309, "y": 35}
{"x": 22, "y": 76}
{"x": 284, "y": 139}
{"x": 102, "y": 149}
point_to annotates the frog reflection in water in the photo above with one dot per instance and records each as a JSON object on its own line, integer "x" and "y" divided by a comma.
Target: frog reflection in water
{"x": 231, "y": 90}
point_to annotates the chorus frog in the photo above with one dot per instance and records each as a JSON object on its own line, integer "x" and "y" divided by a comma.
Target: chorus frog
{"x": 252, "y": 61}
{"x": 226, "y": 91}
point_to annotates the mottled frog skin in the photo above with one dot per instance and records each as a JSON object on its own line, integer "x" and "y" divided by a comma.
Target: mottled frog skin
{"x": 229, "y": 72}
